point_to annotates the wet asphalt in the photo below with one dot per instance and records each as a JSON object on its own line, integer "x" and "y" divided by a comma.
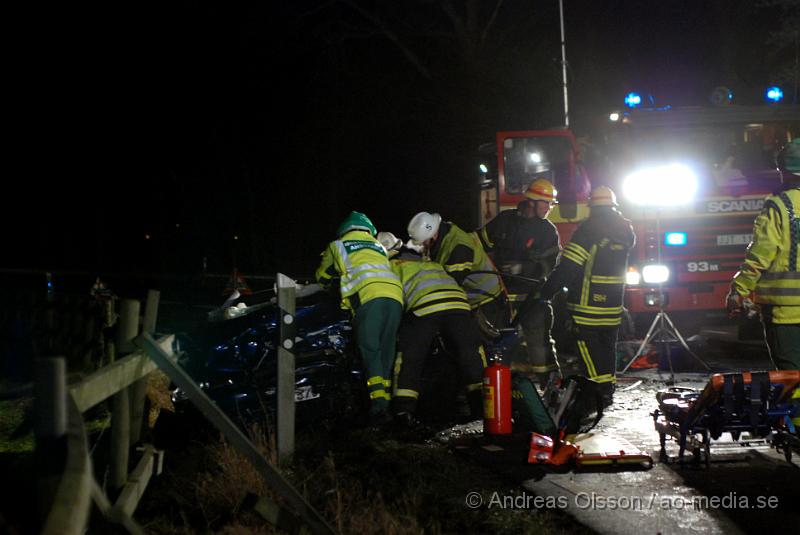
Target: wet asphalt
{"x": 746, "y": 487}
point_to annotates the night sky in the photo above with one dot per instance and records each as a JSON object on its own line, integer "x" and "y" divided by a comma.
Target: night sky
{"x": 194, "y": 122}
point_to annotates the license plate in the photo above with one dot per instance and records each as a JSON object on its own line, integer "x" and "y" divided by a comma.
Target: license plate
{"x": 304, "y": 393}
{"x": 734, "y": 239}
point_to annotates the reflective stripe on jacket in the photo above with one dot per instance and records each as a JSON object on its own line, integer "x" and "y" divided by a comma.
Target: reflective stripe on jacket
{"x": 771, "y": 265}
{"x": 427, "y": 288}
{"x": 363, "y": 267}
{"x": 593, "y": 269}
{"x": 460, "y": 254}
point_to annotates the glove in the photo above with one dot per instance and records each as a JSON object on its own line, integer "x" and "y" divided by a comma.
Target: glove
{"x": 736, "y": 304}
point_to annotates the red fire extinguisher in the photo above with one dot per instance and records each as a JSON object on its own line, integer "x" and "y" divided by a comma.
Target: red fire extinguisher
{"x": 497, "y": 399}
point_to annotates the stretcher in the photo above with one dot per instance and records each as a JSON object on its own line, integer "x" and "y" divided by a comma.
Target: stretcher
{"x": 585, "y": 450}
{"x": 750, "y": 406}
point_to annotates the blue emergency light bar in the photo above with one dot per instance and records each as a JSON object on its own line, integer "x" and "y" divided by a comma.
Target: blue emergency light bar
{"x": 676, "y": 239}
{"x": 774, "y": 94}
{"x": 633, "y": 99}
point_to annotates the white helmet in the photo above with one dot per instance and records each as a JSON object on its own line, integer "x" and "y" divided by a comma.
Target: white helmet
{"x": 390, "y": 242}
{"x": 423, "y": 227}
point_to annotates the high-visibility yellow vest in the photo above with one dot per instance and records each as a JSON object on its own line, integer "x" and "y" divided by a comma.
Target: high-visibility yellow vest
{"x": 363, "y": 267}
{"x": 427, "y": 288}
{"x": 480, "y": 288}
{"x": 770, "y": 266}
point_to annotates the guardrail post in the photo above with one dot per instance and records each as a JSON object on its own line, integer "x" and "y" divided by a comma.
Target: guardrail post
{"x": 138, "y": 390}
{"x": 286, "y": 367}
{"x": 127, "y": 329}
{"x": 50, "y": 426}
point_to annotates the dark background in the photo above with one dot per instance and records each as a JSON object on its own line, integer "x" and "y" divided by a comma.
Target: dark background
{"x": 172, "y": 128}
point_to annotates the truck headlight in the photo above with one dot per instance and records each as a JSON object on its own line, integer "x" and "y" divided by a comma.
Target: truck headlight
{"x": 632, "y": 277}
{"x": 655, "y": 273}
{"x": 668, "y": 185}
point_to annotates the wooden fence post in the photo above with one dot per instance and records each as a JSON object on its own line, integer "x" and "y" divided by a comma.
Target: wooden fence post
{"x": 138, "y": 390}
{"x": 286, "y": 368}
{"x": 50, "y": 426}
{"x": 127, "y": 330}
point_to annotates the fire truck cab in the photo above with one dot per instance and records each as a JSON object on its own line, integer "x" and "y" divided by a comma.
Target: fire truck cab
{"x": 691, "y": 180}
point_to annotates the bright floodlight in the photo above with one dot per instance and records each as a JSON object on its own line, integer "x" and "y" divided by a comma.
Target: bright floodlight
{"x": 483, "y": 168}
{"x": 774, "y": 94}
{"x": 633, "y": 99}
{"x": 655, "y": 273}
{"x": 614, "y": 117}
{"x": 536, "y": 157}
{"x": 668, "y": 185}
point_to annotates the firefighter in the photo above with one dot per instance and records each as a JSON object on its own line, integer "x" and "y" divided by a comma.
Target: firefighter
{"x": 461, "y": 254}
{"x": 434, "y": 304}
{"x": 770, "y": 268}
{"x": 592, "y": 269}
{"x": 372, "y": 292}
{"x": 524, "y": 242}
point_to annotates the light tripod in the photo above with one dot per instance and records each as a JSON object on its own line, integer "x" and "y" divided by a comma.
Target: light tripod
{"x": 662, "y": 330}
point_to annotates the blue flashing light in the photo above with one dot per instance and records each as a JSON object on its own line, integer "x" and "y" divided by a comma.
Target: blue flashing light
{"x": 675, "y": 239}
{"x": 633, "y": 99}
{"x": 774, "y": 94}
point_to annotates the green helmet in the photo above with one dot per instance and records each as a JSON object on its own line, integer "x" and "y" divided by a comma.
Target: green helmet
{"x": 356, "y": 221}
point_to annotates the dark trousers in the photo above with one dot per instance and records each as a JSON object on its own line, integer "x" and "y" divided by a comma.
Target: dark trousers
{"x": 597, "y": 347}
{"x": 536, "y": 319}
{"x": 415, "y": 340}
{"x": 376, "y": 323}
{"x": 783, "y": 341}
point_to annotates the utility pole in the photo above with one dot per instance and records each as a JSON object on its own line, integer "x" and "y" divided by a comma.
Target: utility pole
{"x": 564, "y": 63}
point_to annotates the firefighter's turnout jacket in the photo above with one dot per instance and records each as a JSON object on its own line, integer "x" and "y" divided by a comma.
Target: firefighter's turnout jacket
{"x": 770, "y": 267}
{"x": 593, "y": 268}
{"x": 460, "y": 254}
{"x": 532, "y": 243}
{"x": 362, "y": 264}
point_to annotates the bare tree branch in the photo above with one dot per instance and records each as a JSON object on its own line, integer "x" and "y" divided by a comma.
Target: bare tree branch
{"x": 389, "y": 34}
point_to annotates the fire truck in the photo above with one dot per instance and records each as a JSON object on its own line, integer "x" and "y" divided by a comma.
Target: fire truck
{"x": 691, "y": 179}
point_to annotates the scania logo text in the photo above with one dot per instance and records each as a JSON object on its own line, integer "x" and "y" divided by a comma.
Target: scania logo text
{"x": 740, "y": 205}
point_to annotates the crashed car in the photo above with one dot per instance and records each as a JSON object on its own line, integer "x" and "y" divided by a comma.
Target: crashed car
{"x": 234, "y": 358}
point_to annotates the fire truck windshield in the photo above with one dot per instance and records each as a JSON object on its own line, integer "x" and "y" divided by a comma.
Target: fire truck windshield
{"x": 526, "y": 158}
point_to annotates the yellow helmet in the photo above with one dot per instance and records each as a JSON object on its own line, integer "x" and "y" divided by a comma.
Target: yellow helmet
{"x": 603, "y": 196}
{"x": 542, "y": 189}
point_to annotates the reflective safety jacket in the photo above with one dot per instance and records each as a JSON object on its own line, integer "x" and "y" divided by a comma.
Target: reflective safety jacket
{"x": 360, "y": 261}
{"x": 593, "y": 269}
{"x": 460, "y": 254}
{"x": 427, "y": 288}
{"x": 770, "y": 266}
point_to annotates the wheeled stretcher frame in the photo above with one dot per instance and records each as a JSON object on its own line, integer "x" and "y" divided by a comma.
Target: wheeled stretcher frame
{"x": 757, "y": 403}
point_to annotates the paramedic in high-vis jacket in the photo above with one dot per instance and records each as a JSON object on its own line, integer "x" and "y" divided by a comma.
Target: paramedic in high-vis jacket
{"x": 770, "y": 268}
{"x": 592, "y": 269}
{"x": 374, "y": 294}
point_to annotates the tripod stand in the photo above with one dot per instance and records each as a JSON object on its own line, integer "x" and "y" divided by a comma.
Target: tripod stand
{"x": 659, "y": 332}
{"x": 662, "y": 330}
